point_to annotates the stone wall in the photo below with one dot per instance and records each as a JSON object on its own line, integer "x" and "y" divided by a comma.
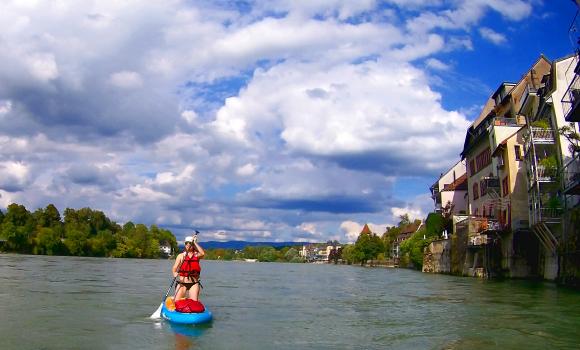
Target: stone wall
{"x": 437, "y": 257}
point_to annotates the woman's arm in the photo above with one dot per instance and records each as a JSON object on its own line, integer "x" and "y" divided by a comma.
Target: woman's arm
{"x": 200, "y": 251}
{"x": 177, "y": 264}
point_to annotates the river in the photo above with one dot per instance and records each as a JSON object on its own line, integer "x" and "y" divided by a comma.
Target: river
{"x": 96, "y": 303}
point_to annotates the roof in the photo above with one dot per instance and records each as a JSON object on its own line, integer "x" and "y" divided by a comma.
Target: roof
{"x": 410, "y": 228}
{"x": 366, "y": 230}
{"x": 473, "y": 133}
{"x": 460, "y": 184}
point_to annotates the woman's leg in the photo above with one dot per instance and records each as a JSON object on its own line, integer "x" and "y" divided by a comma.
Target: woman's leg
{"x": 179, "y": 292}
{"x": 194, "y": 291}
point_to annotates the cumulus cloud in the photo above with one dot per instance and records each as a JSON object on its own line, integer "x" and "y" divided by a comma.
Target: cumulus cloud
{"x": 280, "y": 120}
{"x": 14, "y": 176}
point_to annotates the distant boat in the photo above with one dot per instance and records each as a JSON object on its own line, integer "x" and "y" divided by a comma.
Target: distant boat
{"x": 251, "y": 260}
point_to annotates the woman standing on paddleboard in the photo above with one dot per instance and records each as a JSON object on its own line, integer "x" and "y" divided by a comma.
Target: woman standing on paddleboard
{"x": 188, "y": 268}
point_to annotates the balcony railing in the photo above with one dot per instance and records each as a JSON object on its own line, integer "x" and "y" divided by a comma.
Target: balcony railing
{"x": 571, "y": 176}
{"x": 500, "y": 121}
{"x": 546, "y": 215}
{"x": 571, "y": 101}
{"x": 541, "y": 135}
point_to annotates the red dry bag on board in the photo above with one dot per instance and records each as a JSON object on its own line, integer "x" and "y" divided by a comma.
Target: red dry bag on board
{"x": 189, "y": 306}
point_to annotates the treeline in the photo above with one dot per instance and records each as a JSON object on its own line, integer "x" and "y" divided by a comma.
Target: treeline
{"x": 260, "y": 253}
{"x": 82, "y": 232}
{"x": 372, "y": 247}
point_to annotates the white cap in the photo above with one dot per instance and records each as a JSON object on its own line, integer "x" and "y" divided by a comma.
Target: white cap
{"x": 188, "y": 239}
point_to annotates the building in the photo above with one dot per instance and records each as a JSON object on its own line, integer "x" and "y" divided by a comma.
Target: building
{"x": 496, "y": 201}
{"x": 449, "y": 191}
{"x": 552, "y": 160}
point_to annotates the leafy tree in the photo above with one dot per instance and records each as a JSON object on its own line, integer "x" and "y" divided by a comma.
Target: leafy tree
{"x": 368, "y": 247}
{"x": 19, "y": 226}
{"x": 435, "y": 224}
{"x": 76, "y": 241}
{"x": 414, "y": 246}
{"x": 1, "y": 216}
{"x": 389, "y": 237}
{"x": 48, "y": 242}
{"x": 335, "y": 254}
{"x": 268, "y": 254}
{"x": 48, "y": 217}
{"x": 404, "y": 220}
{"x": 569, "y": 132}
{"x": 290, "y": 254}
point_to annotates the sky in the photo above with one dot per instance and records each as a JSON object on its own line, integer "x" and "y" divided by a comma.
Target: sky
{"x": 253, "y": 120}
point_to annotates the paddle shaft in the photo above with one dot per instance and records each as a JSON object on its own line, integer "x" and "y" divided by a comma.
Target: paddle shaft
{"x": 172, "y": 282}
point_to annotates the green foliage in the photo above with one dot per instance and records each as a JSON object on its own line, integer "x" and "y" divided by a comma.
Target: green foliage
{"x": 435, "y": 224}
{"x": 413, "y": 247}
{"x": 367, "y": 247}
{"x": 404, "y": 220}
{"x": 542, "y": 123}
{"x": 569, "y": 132}
{"x": 261, "y": 253}
{"x": 83, "y": 232}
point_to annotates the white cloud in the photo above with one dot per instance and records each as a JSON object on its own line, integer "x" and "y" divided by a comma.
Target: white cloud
{"x": 492, "y": 36}
{"x": 126, "y": 80}
{"x": 241, "y": 123}
{"x": 5, "y": 107}
{"x": 436, "y": 64}
{"x": 246, "y": 170}
{"x": 189, "y": 116}
{"x": 42, "y": 66}
{"x": 355, "y": 117}
{"x": 14, "y": 176}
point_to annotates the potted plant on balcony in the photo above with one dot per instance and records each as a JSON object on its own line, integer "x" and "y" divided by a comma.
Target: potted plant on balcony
{"x": 550, "y": 165}
{"x": 541, "y": 123}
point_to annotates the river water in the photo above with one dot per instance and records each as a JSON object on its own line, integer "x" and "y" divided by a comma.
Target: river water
{"x": 96, "y": 303}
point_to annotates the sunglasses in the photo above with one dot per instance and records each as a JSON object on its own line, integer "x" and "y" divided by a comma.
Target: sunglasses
{"x": 187, "y": 242}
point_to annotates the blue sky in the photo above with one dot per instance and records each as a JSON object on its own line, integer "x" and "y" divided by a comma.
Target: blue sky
{"x": 255, "y": 120}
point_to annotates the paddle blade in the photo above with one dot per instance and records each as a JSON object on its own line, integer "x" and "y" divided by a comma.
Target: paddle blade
{"x": 157, "y": 313}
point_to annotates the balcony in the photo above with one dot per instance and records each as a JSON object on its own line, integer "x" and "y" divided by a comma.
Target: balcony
{"x": 529, "y": 101}
{"x": 543, "y": 174}
{"x": 546, "y": 215}
{"x": 571, "y": 101}
{"x": 501, "y": 121}
{"x": 542, "y": 136}
{"x": 571, "y": 176}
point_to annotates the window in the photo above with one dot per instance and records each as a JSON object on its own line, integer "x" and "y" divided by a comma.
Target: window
{"x": 505, "y": 186}
{"x": 518, "y": 152}
{"x": 483, "y": 187}
{"x": 475, "y": 191}
{"x": 483, "y": 159}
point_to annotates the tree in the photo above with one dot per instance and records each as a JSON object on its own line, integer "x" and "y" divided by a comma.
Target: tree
{"x": 414, "y": 246}
{"x": 368, "y": 247}
{"x": 404, "y": 220}
{"x": 19, "y": 225}
{"x": 47, "y": 241}
{"x": 569, "y": 132}
{"x": 291, "y": 254}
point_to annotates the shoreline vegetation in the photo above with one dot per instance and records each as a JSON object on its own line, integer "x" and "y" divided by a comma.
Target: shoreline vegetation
{"x": 82, "y": 232}
{"x": 88, "y": 232}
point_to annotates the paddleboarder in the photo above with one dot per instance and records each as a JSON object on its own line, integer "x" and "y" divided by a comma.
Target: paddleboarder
{"x": 187, "y": 269}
